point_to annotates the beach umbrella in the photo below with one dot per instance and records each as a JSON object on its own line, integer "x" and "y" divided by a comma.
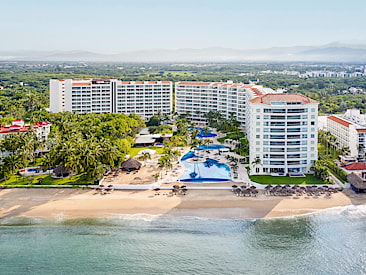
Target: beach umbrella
{"x": 110, "y": 185}
{"x": 253, "y": 187}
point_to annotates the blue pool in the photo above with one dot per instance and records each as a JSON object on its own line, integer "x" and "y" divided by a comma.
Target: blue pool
{"x": 211, "y": 147}
{"x": 203, "y": 133}
{"x": 209, "y": 170}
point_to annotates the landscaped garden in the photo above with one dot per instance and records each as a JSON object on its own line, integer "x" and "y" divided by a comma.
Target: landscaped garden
{"x": 267, "y": 179}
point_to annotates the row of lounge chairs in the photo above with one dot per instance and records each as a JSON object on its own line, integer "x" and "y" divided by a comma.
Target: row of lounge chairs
{"x": 243, "y": 191}
{"x": 298, "y": 191}
{"x": 176, "y": 190}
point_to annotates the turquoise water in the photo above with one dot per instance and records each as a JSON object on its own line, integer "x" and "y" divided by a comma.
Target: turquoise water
{"x": 331, "y": 242}
{"x": 203, "y": 133}
{"x": 209, "y": 171}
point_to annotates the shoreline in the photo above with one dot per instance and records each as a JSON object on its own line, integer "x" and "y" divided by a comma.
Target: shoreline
{"x": 213, "y": 204}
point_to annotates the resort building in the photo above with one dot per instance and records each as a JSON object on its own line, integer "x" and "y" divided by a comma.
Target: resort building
{"x": 282, "y": 132}
{"x": 144, "y": 98}
{"x": 350, "y": 131}
{"x": 41, "y": 128}
{"x": 199, "y": 98}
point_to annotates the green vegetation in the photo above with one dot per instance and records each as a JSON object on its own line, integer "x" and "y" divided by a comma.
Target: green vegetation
{"x": 86, "y": 144}
{"x": 19, "y": 101}
{"x": 309, "y": 179}
{"x": 48, "y": 180}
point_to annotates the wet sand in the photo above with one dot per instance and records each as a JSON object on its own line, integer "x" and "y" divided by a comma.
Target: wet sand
{"x": 77, "y": 203}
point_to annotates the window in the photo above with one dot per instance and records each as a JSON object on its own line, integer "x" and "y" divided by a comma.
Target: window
{"x": 258, "y": 123}
{"x": 258, "y": 116}
{"x": 312, "y": 136}
{"x": 265, "y": 142}
{"x": 265, "y": 149}
{"x": 258, "y": 143}
{"x": 258, "y": 110}
{"x": 265, "y": 136}
{"x": 258, "y": 130}
{"x": 312, "y": 110}
{"x": 258, "y": 136}
{"x": 257, "y": 149}
{"x": 313, "y": 123}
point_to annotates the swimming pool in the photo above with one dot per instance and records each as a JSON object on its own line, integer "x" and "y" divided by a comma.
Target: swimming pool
{"x": 211, "y": 147}
{"x": 209, "y": 170}
{"x": 202, "y": 133}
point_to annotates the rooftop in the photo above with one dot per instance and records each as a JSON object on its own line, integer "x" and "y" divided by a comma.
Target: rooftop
{"x": 289, "y": 98}
{"x": 351, "y": 117}
{"x": 356, "y": 166}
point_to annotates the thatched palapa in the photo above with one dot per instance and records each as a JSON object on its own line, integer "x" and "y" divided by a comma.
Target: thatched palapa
{"x": 131, "y": 164}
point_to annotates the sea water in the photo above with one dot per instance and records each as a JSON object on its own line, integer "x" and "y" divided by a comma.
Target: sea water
{"x": 328, "y": 242}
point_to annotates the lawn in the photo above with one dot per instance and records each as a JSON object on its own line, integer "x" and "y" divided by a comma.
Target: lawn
{"x": 134, "y": 150}
{"x": 48, "y": 180}
{"x": 264, "y": 179}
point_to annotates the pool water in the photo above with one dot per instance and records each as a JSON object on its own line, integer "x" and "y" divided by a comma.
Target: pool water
{"x": 212, "y": 147}
{"x": 209, "y": 171}
{"x": 203, "y": 133}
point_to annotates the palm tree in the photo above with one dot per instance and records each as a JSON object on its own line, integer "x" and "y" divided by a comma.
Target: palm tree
{"x": 257, "y": 161}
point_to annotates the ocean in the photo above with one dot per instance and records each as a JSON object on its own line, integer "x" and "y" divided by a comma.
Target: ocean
{"x": 332, "y": 241}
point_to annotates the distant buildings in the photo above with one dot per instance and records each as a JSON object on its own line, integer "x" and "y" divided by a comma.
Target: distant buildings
{"x": 144, "y": 98}
{"x": 282, "y": 132}
{"x": 350, "y": 131}
{"x": 331, "y": 74}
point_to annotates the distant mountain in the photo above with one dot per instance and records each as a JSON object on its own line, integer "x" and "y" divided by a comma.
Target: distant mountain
{"x": 333, "y": 52}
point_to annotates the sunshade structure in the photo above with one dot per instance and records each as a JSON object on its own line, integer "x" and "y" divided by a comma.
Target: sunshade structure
{"x": 150, "y": 151}
{"x": 61, "y": 171}
{"x": 358, "y": 183}
{"x": 131, "y": 164}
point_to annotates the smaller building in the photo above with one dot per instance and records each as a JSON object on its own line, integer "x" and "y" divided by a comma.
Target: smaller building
{"x": 350, "y": 131}
{"x": 357, "y": 182}
{"x": 41, "y": 128}
{"x": 152, "y": 140}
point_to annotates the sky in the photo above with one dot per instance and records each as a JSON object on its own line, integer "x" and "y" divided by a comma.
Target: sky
{"x": 112, "y": 26}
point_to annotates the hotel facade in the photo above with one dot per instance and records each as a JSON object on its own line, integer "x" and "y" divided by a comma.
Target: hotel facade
{"x": 144, "y": 98}
{"x": 199, "y": 98}
{"x": 281, "y": 128}
{"x": 283, "y": 133}
{"x": 350, "y": 131}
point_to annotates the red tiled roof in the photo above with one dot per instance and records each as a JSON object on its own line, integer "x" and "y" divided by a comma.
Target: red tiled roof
{"x": 152, "y": 82}
{"x": 165, "y": 82}
{"x": 194, "y": 83}
{"x": 61, "y": 80}
{"x": 21, "y": 129}
{"x": 139, "y": 82}
{"x": 81, "y": 84}
{"x": 268, "y": 98}
{"x": 361, "y": 130}
{"x": 356, "y": 166}
{"x": 339, "y": 121}
{"x": 125, "y": 82}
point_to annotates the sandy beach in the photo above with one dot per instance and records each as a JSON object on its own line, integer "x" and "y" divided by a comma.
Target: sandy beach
{"x": 77, "y": 203}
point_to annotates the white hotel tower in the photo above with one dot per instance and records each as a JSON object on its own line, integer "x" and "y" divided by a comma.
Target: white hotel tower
{"x": 282, "y": 132}
{"x": 144, "y": 98}
{"x": 198, "y": 98}
{"x": 281, "y": 128}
